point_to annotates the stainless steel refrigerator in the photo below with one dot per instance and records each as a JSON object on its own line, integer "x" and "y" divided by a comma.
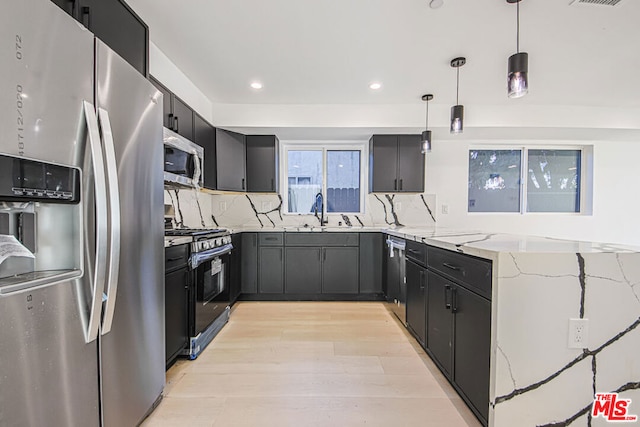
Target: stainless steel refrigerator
{"x": 82, "y": 317}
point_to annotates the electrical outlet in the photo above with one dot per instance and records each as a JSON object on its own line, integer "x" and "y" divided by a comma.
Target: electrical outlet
{"x": 445, "y": 209}
{"x": 578, "y": 333}
{"x": 223, "y": 206}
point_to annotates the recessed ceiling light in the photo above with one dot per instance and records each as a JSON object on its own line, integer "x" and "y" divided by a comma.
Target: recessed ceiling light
{"x": 256, "y": 85}
{"x": 434, "y": 4}
{"x": 375, "y": 86}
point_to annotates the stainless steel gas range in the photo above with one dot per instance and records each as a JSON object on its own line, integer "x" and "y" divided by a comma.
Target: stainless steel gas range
{"x": 208, "y": 300}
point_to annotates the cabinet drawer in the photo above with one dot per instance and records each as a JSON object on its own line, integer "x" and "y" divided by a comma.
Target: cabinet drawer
{"x": 474, "y": 273}
{"x": 416, "y": 252}
{"x": 321, "y": 239}
{"x": 271, "y": 239}
{"x": 175, "y": 256}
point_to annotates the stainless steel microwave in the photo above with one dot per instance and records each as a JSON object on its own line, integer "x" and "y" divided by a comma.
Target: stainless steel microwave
{"x": 183, "y": 161}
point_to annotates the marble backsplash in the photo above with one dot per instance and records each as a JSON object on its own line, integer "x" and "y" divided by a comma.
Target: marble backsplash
{"x": 199, "y": 209}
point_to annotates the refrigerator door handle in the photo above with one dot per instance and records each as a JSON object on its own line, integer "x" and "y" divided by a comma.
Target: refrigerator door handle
{"x": 101, "y": 226}
{"x": 114, "y": 221}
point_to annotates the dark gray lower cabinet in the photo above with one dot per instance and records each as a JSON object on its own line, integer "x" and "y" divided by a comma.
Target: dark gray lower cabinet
{"x": 340, "y": 270}
{"x": 459, "y": 339}
{"x": 249, "y": 263}
{"x": 416, "y": 300}
{"x": 472, "y": 344}
{"x": 372, "y": 255}
{"x": 440, "y": 321}
{"x": 303, "y": 270}
{"x": 270, "y": 267}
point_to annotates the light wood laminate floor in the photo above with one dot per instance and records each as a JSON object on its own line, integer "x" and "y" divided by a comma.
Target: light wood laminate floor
{"x": 310, "y": 364}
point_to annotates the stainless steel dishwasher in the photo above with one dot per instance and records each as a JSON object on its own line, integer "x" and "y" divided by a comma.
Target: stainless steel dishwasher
{"x": 396, "y": 278}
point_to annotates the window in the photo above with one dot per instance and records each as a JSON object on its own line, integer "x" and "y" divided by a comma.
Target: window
{"x": 334, "y": 174}
{"x": 529, "y": 180}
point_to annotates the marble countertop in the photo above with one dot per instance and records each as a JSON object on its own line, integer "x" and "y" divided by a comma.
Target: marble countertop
{"x": 485, "y": 245}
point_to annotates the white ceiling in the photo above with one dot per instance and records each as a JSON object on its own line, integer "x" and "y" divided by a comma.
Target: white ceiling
{"x": 328, "y": 51}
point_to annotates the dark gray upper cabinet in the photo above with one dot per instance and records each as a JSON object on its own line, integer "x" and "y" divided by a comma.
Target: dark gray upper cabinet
{"x": 182, "y": 118}
{"x": 230, "y": 158}
{"x": 396, "y": 164}
{"x": 166, "y": 102}
{"x": 205, "y": 136}
{"x": 262, "y": 163}
{"x": 113, "y": 22}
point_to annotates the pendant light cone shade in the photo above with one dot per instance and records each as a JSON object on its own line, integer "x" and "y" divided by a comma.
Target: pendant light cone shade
{"x": 518, "y": 66}
{"x": 457, "y": 111}
{"x": 457, "y": 119}
{"x": 426, "y": 135}
{"x": 517, "y": 83}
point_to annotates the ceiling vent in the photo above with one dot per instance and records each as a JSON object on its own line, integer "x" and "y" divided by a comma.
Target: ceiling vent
{"x": 601, "y": 2}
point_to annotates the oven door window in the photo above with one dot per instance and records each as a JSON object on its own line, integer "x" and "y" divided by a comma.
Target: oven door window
{"x": 212, "y": 280}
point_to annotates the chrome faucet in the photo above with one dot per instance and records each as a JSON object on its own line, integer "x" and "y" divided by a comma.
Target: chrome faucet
{"x": 315, "y": 209}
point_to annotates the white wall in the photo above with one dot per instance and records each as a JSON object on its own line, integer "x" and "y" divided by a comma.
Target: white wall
{"x": 616, "y": 204}
{"x": 165, "y": 71}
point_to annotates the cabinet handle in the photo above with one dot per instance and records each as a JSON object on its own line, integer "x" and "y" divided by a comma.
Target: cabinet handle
{"x": 255, "y": 240}
{"x": 175, "y": 259}
{"x": 272, "y": 186}
{"x": 400, "y": 184}
{"x": 413, "y": 251}
{"x": 270, "y": 238}
{"x": 176, "y": 123}
{"x": 395, "y": 184}
{"x": 280, "y": 252}
{"x": 85, "y": 16}
{"x": 421, "y": 279}
{"x": 319, "y": 256}
{"x": 454, "y": 300}
{"x": 243, "y": 183}
{"x": 447, "y": 292}
{"x": 324, "y": 254}
{"x": 451, "y": 266}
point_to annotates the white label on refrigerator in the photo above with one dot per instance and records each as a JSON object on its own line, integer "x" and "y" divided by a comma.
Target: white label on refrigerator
{"x": 10, "y": 246}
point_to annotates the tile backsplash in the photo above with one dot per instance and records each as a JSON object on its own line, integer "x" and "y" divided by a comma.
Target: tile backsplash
{"x": 199, "y": 209}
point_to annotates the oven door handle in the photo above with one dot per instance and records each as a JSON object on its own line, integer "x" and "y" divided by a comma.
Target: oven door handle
{"x": 200, "y": 257}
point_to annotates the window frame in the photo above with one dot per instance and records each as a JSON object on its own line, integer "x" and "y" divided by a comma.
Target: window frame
{"x": 586, "y": 176}
{"x": 285, "y": 147}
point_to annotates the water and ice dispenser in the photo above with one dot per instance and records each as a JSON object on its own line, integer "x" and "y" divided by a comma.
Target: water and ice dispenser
{"x": 40, "y": 221}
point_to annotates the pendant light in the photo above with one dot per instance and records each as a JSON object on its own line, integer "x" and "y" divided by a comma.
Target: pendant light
{"x": 426, "y": 135}
{"x": 457, "y": 111}
{"x": 517, "y": 84}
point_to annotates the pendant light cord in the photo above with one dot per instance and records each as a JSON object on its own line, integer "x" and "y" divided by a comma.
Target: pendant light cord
{"x": 426, "y": 124}
{"x": 457, "y": 83}
{"x": 518, "y": 27}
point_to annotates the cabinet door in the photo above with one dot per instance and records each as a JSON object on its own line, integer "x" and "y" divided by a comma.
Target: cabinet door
{"x": 416, "y": 319}
{"x": 410, "y": 164}
{"x": 166, "y": 102}
{"x": 176, "y": 312}
{"x": 205, "y": 136}
{"x": 340, "y": 270}
{"x": 262, "y": 163}
{"x": 440, "y": 321}
{"x": 67, "y": 6}
{"x": 303, "y": 274}
{"x": 113, "y": 22}
{"x": 472, "y": 347}
{"x": 230, "y": 157}
{"x": 371, "y": 261}
{"x": 270, "y": 280}
{"x": 249, "y": 263}
{"x": 182, "y": 118}
{"x": 383, "y": 163}
{"x": 235, "y": 268}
